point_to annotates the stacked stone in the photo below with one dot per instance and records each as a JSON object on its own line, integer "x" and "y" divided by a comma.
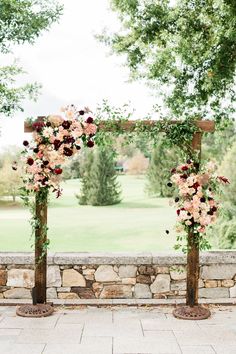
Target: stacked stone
{"x": 165, "y": 280}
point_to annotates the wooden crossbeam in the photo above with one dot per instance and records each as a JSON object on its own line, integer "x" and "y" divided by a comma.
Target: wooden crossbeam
{"x": 203, "y": 125}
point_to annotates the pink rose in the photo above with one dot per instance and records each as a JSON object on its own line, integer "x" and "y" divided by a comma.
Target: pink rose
{"x": 90, "y": 129}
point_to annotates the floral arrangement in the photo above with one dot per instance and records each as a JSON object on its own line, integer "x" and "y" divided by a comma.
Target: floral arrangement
{"x": 55, "y": 139}
{"x": 196, "y": 205}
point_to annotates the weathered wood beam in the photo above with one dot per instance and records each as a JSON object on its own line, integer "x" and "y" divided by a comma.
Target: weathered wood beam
{"x": 204, "y": 125}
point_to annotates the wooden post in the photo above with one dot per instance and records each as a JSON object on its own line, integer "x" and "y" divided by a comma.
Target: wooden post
{"x": 39, "y": 308}
{"x": 193, "y": 248}
{"x": 39, "y": 292}
{"x": 192, "y": 271}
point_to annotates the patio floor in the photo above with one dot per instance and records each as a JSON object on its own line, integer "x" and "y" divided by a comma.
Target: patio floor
{"x": 117, "y": 330}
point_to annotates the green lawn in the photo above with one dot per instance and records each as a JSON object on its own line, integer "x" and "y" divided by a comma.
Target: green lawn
{"x": 136, "y": 224}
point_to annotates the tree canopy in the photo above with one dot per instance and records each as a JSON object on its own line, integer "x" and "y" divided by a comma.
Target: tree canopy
{"x": 186, "y": 49}
{"x": 21, "y": 21}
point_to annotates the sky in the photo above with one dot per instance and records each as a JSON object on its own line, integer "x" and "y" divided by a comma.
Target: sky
{"x": 73, "y": 67}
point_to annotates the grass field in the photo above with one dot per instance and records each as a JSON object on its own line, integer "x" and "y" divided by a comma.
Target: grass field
{"x": 136, "y": 224}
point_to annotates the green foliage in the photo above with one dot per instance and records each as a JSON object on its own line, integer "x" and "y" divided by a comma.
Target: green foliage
{"x": 10, "y": 180}
{"x": 186, "y": 50}
{"x": 158, "y": 174}
{"x": 72, "y": 169}
{"x": 21, "y": 21}
{"x": 86, "y": 177}
{"x": 11, "y": 96}
{"x": 224, "y": 231}
{"x": 215, "y": 145}
{"x": 176, "y": 135}
{"x": 228, "y": 169}
{"x": 99, "y": 179}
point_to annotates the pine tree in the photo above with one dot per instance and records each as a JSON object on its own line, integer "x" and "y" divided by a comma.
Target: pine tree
{"x": 104, "y": 188}
{"x": 158, "y": 174}
{"x": 86, "y": 180}
{"x": 99, "y": 184}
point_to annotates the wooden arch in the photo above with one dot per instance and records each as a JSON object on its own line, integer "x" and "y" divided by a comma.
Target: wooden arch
{"x": 39, "y": 291}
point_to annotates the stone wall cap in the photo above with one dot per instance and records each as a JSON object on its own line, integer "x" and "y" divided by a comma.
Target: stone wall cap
{"x": 103, "y": 258}
{"x": 21, "y": 258}
{"x": 113, "y": 258}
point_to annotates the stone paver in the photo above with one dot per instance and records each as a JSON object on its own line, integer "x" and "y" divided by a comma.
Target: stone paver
{"x": 117, "y": 330}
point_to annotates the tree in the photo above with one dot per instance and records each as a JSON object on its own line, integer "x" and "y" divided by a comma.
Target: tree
{"x": 86, "y": 177}
{"x": 187, "y": 50}
{"x": 224, "y": 231}
{"x": 228, "y": 169}
{"x": 215, "y": 145}
{"x": 10, "y": 181}
{"x": 161, "y": 162}
{"x": 99, "y": 179}
{"x": 21, "y": 21}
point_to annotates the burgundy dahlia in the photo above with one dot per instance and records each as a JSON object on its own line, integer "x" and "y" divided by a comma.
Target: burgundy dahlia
{"x": 196, "y": 185}
{"x": 25, "y": 143}
{"x": 81, "y": 112}
{"x": 57, "y": 144}
{"x": 173, "y": 170}
{"x": 90, "y": 143}
{"x": 38, "y": 126}
{"x": 58, "y": 171}
{"x": 184, "y": 176}
{"x": 66, "y": 124}
{"x": 89, "y": 120}
{"x": 30, "y": 161}
{"x": 69, "y": 140}
{"x": 68, "y": 151}
{"x": 184, "y": 168}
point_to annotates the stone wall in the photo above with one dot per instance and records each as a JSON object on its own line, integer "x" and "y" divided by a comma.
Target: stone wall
{"x": 116, "y": 275}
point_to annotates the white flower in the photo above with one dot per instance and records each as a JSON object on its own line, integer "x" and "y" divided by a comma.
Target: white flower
{"x": 47, "y": 132}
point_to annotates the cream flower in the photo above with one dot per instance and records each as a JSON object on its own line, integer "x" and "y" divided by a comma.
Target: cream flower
{"x": 55, "y": 120}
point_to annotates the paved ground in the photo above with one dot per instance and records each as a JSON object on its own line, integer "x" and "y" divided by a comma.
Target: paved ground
{"x": 117, "y": 330}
